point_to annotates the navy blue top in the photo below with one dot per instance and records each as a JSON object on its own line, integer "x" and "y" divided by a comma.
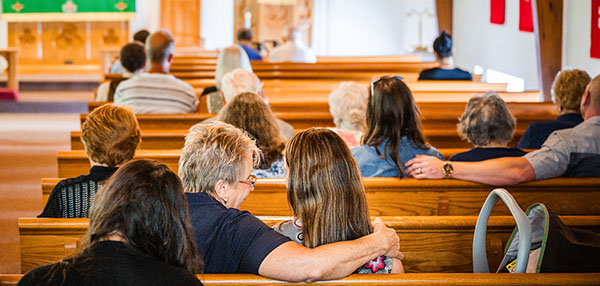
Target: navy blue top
{"x": 480, "y": 154}
{"x": 537, "y": 133}
{"x": 253, "y": 54}
{"x": 230, "y": 240}
{"x": 442, "y": 74}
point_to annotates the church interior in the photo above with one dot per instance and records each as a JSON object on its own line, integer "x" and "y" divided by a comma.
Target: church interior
{"x": 55, "y": 54}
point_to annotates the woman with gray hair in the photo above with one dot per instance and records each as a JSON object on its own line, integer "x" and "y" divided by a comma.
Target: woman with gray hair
{"x": 488, "y": 124}
{"x": 348, "y": 106}
{"x": 229, "y": 59}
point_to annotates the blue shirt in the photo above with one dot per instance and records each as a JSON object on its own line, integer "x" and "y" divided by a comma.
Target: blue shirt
{"x": 481, "y": 154}
{"x": 275, "y": 171}
{"x": 442, "y": 74}
{"x": 253, "y": 54}
{"x": 538, "y": 132}
{"x": 230, "y": 240}
{"x": 371, "y": 165}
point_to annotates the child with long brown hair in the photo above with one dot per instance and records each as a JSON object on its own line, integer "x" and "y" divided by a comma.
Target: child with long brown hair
{"x": 327, "y": 196}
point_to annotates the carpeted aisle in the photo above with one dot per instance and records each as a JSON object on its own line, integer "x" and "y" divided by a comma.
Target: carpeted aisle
{"x": 28, "y": 145}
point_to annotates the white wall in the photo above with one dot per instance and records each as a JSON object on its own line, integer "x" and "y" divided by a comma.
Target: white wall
{"x": 369, "y": 27}
{"x": 217, "y": 23}
{"x": 147, "y": 16}
{"x": 499, "y": 47}
{"x": 3, "y": 32}
{"x": 576, "y": 35}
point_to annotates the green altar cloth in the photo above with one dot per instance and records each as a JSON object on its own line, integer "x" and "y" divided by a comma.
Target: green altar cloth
{"x": 67, "y": 10}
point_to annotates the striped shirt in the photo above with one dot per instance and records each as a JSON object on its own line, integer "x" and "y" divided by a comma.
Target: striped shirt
{"x": 156, "y": 93}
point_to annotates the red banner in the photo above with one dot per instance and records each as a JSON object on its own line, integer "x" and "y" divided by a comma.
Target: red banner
{"x": 525, "y": 16}
{"x": 497, "y": 12}
{"x": 595, "y": 40}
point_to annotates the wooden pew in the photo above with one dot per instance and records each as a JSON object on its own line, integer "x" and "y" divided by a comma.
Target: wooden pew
{"x": 414, "y": 279}
{"x": 412, "y": 197}
{"x": 75, "y": 163}
{"x": 434, "y": 116}
{"x": 429, "y": 244}
{"x": 174, "y": 139}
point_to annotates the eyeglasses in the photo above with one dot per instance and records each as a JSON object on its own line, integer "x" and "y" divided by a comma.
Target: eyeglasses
{"x": 373, "y": 83}
{"x": 251, "y": 181}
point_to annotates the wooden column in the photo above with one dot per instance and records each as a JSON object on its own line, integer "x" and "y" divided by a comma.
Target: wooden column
{"x": 182, "y": 18}
{"x": 444, "y": 10}
{"x": 547, "y": 25}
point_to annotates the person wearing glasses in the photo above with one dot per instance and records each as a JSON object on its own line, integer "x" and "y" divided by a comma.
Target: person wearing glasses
{"x": 442, "y": 46}
{"x": 331, "y": 204}
{"x": 250, "y": 113}
{"x": 394, "y": 134}
{"x": 215, "y": 168}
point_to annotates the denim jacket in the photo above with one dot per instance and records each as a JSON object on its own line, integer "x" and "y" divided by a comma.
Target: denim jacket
{"x": 371, "y": 165}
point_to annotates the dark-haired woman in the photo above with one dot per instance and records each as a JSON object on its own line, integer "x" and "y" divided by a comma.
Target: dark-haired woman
{"x": 394, "y": 134}
{"x": 139, "y": 234}
{"x": 329, "y": 204}
{"x": 442, "y": 46}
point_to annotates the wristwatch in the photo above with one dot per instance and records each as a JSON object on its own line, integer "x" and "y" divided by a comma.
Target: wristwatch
{"x": 448, "y": 169}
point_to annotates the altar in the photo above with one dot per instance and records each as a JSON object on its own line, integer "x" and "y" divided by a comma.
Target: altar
{"x": 66, "y": 33}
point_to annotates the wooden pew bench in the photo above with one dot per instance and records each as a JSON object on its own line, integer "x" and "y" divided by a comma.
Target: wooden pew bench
{"x": 75, "y": 163}
{"x": 413, "y": 279}
{"x": 174, "y": 139}
{"x": 429, "y": 244}
{"x": 435, "y": 116}
{"x": 412, "y": 197}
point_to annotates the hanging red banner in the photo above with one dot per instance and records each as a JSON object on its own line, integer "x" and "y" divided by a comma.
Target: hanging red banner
{"x": 497, "y": 12}
{"x": 595, "y": 40}
{"x": 525, "y": 16}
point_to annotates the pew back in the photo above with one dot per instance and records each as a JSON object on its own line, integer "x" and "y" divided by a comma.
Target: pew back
{"x": 429, "y": 244}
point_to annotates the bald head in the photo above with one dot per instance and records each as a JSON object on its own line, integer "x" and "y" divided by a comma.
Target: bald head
{"x": 590, "y": 103}
{"x": 160, "y": 46}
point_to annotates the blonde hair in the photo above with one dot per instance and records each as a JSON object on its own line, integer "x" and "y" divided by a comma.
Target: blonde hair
{"x": 110, "y": 135}
{"x": 325, "y": 189}
{"x": 250, "y": 113}
{"x": 214, "y": 152}
{"x": 239, "y": 81}
{"x": 231, "y": 58}
{"x": 348, "y": 105}
{"x": 487, "y": 120}
{"x": 568, "y": 88}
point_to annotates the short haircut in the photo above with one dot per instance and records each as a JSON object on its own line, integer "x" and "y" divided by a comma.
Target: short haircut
{"x": 250, "y": 113}
{"x": 141, "y": 36}
{"x": 244, "y": 35}
{"x": 568, "y": 88}
{"x": 213, "y": 152}
{"x": 239, "y": 81}
{"x": 487, "y": 120}
{"x": 231, "y": 58}
{"x": 133, "y": 56}
{"x": 325, "y": 189}
{"x": 110, "y": 134}
{"x": 159, "y": 46}
{"x": 348, "y": 104}
{"x": 442, "y": 45}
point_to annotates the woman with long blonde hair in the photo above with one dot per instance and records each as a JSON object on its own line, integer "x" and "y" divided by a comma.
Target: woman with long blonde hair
{"x": 327, "y": 196}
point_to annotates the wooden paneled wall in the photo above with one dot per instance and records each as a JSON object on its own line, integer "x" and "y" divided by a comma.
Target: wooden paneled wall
{"x": 182, "y": 18}
{"x": 269, "y": 19}
{"x": 54, "y": 43}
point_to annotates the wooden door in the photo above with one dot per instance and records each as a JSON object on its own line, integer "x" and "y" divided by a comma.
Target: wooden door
{"x": 182, "y": 18}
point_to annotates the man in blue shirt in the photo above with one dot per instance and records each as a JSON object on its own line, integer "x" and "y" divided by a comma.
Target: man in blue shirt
{"x": 244, "y": 37}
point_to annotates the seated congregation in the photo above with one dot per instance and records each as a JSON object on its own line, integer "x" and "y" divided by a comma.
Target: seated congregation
{"x": 196, "y": 224}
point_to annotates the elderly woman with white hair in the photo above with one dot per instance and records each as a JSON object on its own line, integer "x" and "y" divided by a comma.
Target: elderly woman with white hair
{"x": 488, "y": 124}
{"x": 348, "y": 106}
{"x": 230, "y": 58}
